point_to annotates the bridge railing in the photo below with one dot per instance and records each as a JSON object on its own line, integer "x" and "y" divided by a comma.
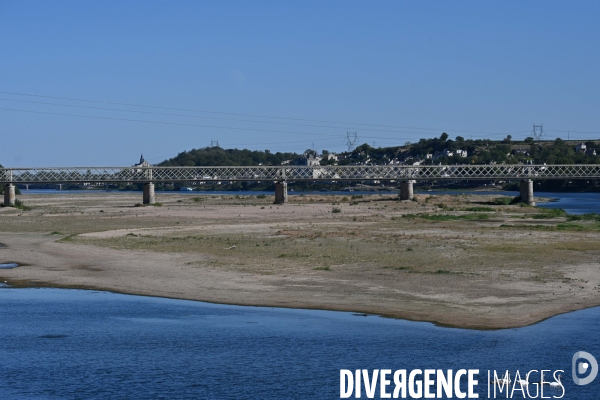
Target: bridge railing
{"x": 295, "y": 173}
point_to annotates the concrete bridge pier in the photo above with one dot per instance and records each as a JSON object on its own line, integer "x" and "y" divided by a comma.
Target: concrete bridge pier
{"x": 149, "y": 193}
{"x": 9, "y": 195}
{"x": 280, "y": 192}
{"x": 406, "y": 190}
{"x": 527, "y": 192}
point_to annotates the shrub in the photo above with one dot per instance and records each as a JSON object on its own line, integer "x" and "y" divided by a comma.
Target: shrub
{"x": 501, "y": 201}
{"x": 478, "y": 209}
{"x": 585, "y": 217}
{"x": 550, "y": 213}
{"x": 336, "y": 210}
{"x": 19, "y": 204}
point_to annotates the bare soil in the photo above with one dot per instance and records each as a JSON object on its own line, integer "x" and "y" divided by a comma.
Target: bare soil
{"x": 455, "y": 260}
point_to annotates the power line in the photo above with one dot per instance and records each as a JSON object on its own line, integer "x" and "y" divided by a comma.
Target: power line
{"x": 188, "y": 124}
{"x": 255, "y": 115}
{"x": 394, "y": 139}
{"x": 168, "y": 123}
{"x": 351, "y": 139}
{"x": 538, "y": 131}
{"x": 189, "y": 116}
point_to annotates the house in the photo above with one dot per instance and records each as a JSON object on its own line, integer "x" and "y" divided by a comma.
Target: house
{"x": 522, "y": 150}
{"x": 332, "y": 156}
{"x": 580, "y": 147}
{"x": 309, "y": 160}
{"x": 461, "y": 153}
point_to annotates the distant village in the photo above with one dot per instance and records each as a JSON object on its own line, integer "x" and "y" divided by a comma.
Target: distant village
{"x": 436, "y": 151}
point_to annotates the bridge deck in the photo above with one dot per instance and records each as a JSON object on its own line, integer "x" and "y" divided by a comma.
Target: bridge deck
{"x": 295, "y": 173}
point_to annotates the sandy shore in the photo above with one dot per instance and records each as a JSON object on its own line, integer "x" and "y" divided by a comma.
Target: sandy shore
{"x": 483, "y": 266}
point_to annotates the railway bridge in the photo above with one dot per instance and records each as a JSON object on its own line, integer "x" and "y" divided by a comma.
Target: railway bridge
{"x": 281, "y": 175}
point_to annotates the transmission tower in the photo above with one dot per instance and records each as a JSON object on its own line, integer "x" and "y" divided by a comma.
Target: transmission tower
{"x": 538, "y": 131}
{"x": 214, "y": 143}
{"x": 351, "y": 138}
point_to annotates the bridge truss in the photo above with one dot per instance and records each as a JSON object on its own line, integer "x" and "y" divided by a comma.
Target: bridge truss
{"x": 295, "y": 173}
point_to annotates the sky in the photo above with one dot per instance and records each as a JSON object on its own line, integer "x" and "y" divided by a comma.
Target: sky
{"x": 96, "y": 83}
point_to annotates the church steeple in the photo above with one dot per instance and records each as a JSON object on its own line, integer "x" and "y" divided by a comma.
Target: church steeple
{"x": 142, "y": 159}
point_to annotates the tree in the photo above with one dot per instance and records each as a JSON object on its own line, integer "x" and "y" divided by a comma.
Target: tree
{"x": 460, "y": 139}
{"x": 508, "y": 139}
{"x": 444, "y": 137}
{"x": 529, "y": 140}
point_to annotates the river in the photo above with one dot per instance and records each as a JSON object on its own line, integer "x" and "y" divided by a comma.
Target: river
{"x": 76, "y": 344}
{"x": 59, "y": 344}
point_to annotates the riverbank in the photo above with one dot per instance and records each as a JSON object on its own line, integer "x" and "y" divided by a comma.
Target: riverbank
{"x": 455, "y": 260}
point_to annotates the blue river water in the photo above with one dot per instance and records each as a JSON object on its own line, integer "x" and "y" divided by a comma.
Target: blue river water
{"x": 75, "y": 344}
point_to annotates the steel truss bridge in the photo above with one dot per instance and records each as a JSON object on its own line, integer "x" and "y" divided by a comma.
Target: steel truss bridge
{"x": 295, "y": 173}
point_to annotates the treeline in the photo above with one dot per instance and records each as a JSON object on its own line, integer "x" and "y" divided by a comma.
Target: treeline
{"x": 216, "y": 156}
{"x": 480, "y": 151}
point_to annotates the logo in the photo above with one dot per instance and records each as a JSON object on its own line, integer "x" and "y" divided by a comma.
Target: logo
{"x": 582, "y": 367}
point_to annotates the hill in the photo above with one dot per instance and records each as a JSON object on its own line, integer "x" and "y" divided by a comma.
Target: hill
{"x": 431, "y": 151}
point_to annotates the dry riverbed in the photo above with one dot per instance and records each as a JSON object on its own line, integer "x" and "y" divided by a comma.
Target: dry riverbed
{"x": 464, "y": 261}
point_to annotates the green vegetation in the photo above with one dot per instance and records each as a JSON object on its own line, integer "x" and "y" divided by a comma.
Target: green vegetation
{"x": 584, "y": 217}
{"x": 216, "y": 156}
{"x": 480, "y": 151}
{"x": 557, "y": 227}
{"x": 447, "y": 217}
{"x": 546, "y": 213}
{"x": 502, "y": 201}
{"x": 336, "y": 210}
{"x": 21, "y": 206}
{"x": 478, "y": 209}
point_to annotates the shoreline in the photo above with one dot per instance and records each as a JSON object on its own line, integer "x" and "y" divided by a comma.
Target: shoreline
{"x": 41, "y": 285}
{"x": 427, "y": 260}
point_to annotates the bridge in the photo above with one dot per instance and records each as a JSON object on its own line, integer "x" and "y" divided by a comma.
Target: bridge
{"x": 404, "y": 174}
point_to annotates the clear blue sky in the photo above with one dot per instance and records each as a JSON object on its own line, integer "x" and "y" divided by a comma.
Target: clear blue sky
{"x": 417, "y": 67}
